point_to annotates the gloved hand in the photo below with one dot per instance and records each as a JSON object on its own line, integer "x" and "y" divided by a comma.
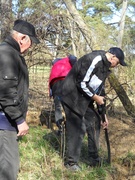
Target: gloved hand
{"x": 59, "y": 122}
{"x": 102, "y": 108}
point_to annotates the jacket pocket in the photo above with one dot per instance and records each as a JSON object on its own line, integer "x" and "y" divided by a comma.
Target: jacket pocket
{"x": 10, "y": 78}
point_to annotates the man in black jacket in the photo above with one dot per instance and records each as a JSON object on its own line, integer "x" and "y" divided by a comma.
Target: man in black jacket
{"x": 80, "y": 89}
{"x": 14, "y": 84}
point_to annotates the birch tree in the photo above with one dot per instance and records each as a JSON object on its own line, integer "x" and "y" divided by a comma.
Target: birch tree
{"x": 122, "y": 23}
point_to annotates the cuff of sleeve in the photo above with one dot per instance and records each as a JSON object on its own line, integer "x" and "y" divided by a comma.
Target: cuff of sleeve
{"x": 20, "y": 121}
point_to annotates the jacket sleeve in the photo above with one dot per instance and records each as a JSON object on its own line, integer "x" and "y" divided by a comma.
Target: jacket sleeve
{"x": 72, "y": 59}
{"x": 9, "y": 73}
{"x": 90, "y": 80}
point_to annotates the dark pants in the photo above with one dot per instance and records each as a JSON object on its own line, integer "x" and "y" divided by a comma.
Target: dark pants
{"x": 9, "y": 155}
{"x": 76, "y": 127}
{"x": 92, "y": 122}
{"x": 57, "y": 103}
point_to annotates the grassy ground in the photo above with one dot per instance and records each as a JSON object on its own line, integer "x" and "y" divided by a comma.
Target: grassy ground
{"x": 40, "y": 159}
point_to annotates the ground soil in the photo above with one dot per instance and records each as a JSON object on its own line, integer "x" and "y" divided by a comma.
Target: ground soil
{"x": 122, "y": 141}
{"x": 121, "y": 134}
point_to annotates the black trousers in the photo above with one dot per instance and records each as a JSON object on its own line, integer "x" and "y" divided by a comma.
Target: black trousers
{"x": 57, "y": 103}
{"x": 9, "y": 155}
{"x": 76, "y": 128}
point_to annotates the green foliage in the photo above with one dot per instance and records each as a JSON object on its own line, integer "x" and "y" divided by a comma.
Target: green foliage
{"x": 96, "y": 7}
{"x": 28, "y": 6}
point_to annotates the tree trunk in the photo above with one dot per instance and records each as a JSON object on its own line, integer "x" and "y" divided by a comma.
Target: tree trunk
{"x": 5, "y": 18}
{"x": 130, "y": 109}
{"x": 79, "y": 21}
{"x": 71, "y": 23}
{"x": 122, "y": 23}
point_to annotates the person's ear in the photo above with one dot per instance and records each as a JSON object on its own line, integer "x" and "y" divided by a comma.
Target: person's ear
{"x": 22, "y": 39}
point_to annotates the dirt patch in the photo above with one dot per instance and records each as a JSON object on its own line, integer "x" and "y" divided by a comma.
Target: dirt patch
{"x": 121, "y": 135}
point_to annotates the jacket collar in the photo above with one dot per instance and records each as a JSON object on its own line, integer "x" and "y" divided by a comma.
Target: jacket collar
{"x": 10, "y": 40}
{"x": 104, "y": 58}
{"x": 106, "y": 62}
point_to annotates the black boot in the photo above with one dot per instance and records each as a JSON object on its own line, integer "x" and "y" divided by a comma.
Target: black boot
{"x": 95, "y": 161}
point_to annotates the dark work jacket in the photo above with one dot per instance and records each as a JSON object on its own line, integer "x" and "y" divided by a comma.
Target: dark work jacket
{"x": 14, "y": 81}
{"x": 85, "y": 79}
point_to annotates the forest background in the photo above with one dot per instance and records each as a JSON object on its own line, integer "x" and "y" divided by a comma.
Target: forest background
{"x": 76, "y": 27}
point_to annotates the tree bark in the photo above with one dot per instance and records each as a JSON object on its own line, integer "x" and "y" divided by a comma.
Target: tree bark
{"x": 130, "y": 109}
{"x": 5, "y": 18}
{"x": 79, "y": 21}
{"x": 122, "y": 23}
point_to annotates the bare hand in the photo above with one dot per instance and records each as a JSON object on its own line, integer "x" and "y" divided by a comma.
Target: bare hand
{"x": 99, "y": 99}
{"x": 22, "y": 129}
{"x": 105, "y": 124}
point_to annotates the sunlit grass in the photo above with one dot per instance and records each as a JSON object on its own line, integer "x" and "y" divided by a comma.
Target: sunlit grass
{"x": 40, "y": 159}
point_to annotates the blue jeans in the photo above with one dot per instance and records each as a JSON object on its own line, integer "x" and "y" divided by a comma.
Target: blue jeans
{"x": 9, "y": 155}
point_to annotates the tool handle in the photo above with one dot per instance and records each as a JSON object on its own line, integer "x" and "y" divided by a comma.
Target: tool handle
{"x": 102, "y": 110}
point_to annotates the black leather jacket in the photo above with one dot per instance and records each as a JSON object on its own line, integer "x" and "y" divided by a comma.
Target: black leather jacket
{"x": 14, "y": 81}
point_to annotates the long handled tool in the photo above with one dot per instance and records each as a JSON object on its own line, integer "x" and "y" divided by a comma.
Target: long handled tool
{"x": 61, "y": 133}
{"x": 102, "y": 112}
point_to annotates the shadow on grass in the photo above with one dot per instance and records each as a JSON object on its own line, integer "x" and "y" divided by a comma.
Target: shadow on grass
{"x": 54, "y": 140}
